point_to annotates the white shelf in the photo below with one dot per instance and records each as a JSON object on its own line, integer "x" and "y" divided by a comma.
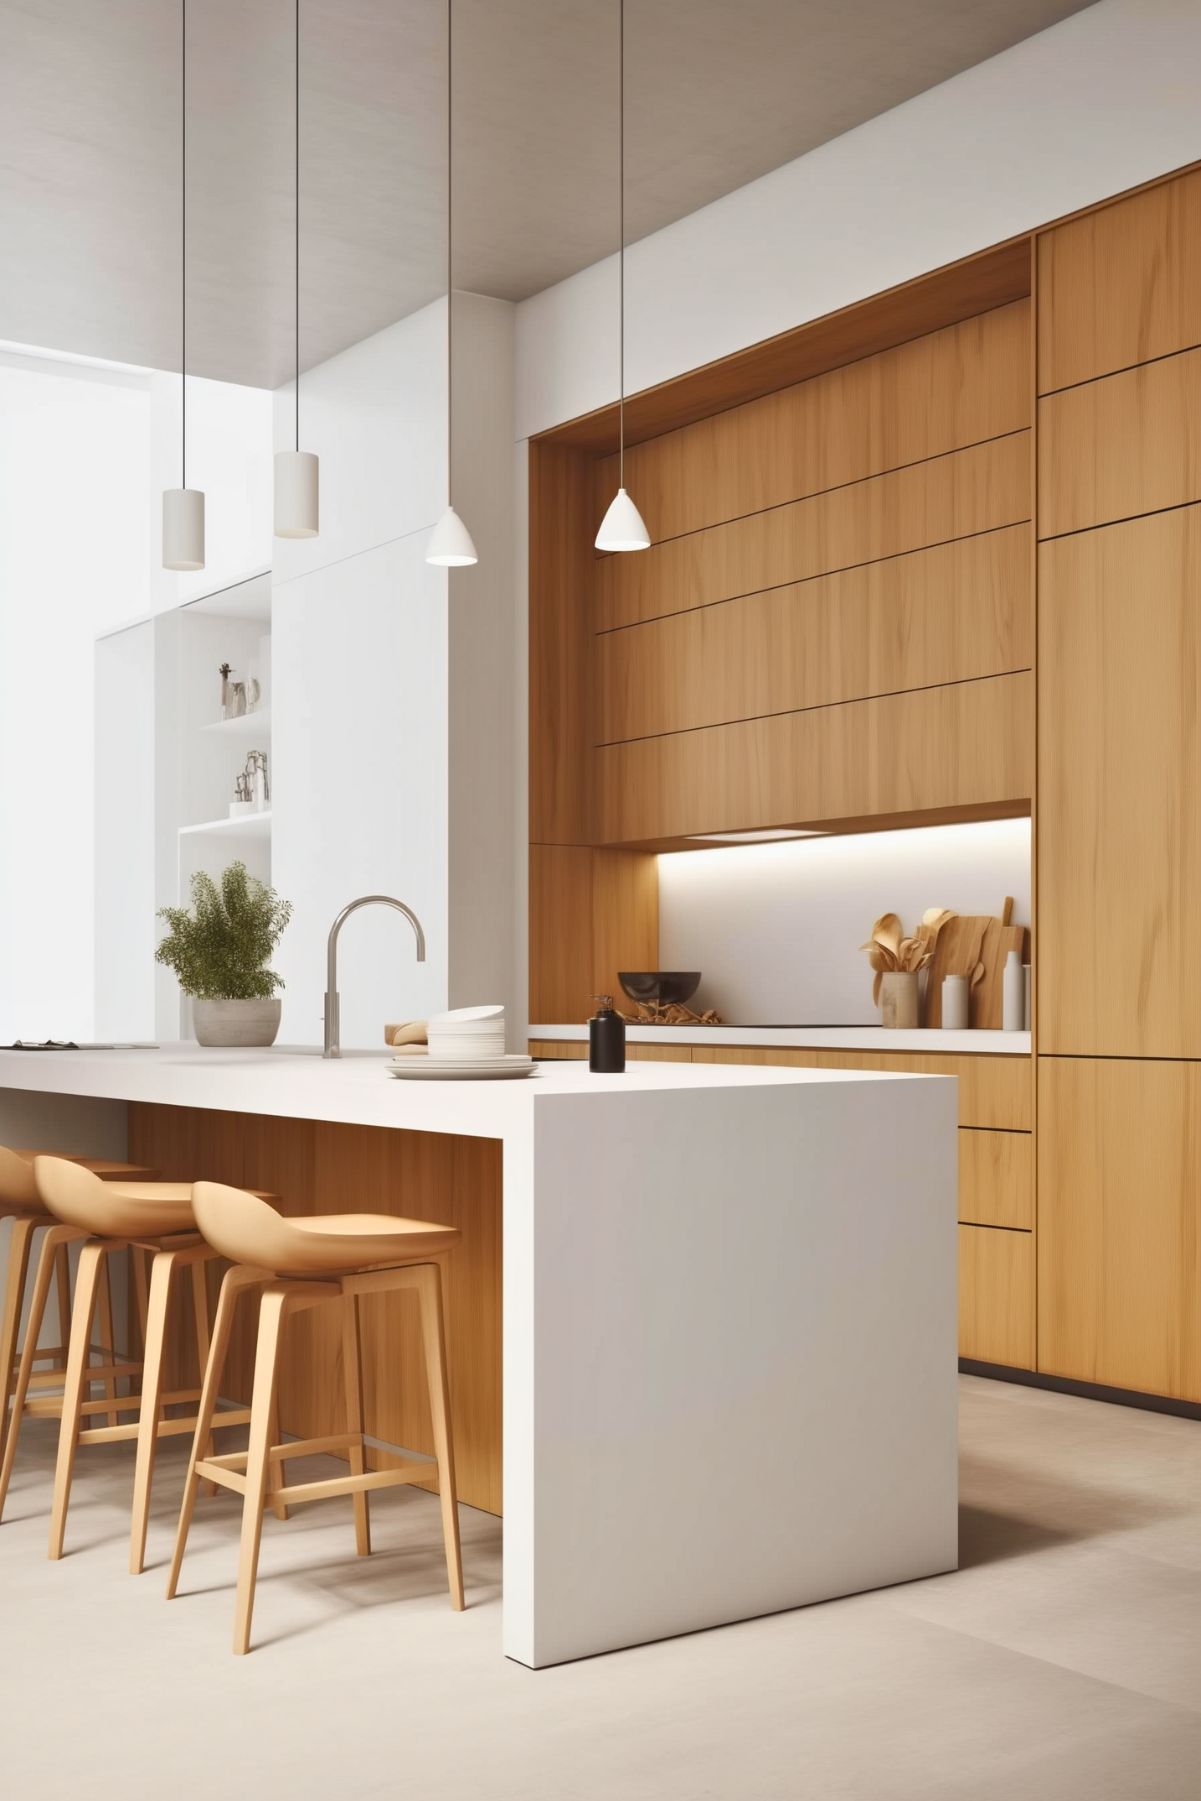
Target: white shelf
{"x": 246, "y": 825}
{"x": 249, "y": 725}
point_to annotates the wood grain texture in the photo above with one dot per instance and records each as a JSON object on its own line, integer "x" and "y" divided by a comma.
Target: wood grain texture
{"x": 969, "y": 491}
{"x": 562, "y": 565}
{"x": 996, "y": 1179}
{"x": 1119, "y": 832}
{"x": 955, "y": 612}
{"x": 557, "y": 1051}
{"x": 1120, "y": 285}
{"x": 937, "y": 393}
{"x": 976, "y": 284}
{"x": 1119, "y": 1186}
{"x": 994, "y": 1091}
{"x": 1125, "y": 445}
{"x": 323, "y": 1167}
{"x": 935, "y": 749}
{"x": 996, "y": 1296}
{"x": 592, "y": 913}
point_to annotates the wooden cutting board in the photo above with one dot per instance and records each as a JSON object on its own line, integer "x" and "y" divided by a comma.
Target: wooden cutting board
{"x": 965, "y": 941}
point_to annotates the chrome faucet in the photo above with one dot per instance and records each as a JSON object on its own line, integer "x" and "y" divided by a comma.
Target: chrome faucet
{"x": 333, "y": 1047}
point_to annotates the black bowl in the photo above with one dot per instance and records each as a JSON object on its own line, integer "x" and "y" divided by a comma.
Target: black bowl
{"x": 671, "y": 987}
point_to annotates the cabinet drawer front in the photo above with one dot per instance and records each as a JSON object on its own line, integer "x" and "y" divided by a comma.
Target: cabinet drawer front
{"x": 993, "y": 1091}
{"x": 551, "y": 1050}
{"x": 996, "y": 1179}
{"x": 996, "y": 1296}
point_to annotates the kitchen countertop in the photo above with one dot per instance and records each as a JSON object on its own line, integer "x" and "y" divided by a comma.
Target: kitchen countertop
{"x": 821, "y": 1038}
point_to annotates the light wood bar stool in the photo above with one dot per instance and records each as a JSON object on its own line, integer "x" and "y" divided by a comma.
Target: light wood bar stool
{"x": 21, "y": 1203}
{"x": 302, "y": 1263}
{"x": 151, "y": 1217}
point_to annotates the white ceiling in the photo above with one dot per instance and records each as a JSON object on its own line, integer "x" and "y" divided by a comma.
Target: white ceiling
{"x": 718, "y": 92}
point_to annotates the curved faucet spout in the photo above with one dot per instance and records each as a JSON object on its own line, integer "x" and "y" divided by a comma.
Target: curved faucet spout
{"x": 333, "y": 1046}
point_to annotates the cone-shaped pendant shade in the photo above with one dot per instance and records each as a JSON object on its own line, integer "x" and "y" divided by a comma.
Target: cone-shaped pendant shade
{"x": 183, "y": 528}
{"x": 450, "y": 545}
{"x": 622, "y": 527}
{"x": 296, "y": 494}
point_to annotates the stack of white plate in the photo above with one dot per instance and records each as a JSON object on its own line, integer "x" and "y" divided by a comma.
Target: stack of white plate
{"x": 471, "y": 1033}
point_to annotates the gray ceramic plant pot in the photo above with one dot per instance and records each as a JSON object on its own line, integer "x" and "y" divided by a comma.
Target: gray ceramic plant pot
{"x": 235, "y": 1024}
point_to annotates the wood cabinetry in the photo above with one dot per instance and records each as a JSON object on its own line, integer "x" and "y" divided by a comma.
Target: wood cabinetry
{"x": 953, "y": 749}
{"x": 1120, "y": 285}
{"x": 996, "y": 1179}
{"x": 1119, "y": 824}
{"x": 996, "y": 1296}
{"x": 592, "y": 913}
{"x": 1119, "y": 1242}
{"x": 994, "y": 1092}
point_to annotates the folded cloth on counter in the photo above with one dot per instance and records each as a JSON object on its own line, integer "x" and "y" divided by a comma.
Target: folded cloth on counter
{"x": 412, "y": 1032}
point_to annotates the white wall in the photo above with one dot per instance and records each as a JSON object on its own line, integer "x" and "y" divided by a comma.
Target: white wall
{"x": 393, "y": 704}
{"x": 775, "y": 929}
{"x": 1099, "y": 103}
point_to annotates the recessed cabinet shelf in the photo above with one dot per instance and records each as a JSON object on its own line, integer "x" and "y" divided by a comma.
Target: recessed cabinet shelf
{"x": 247, "y": 725}
{"x": 246, "y": 825}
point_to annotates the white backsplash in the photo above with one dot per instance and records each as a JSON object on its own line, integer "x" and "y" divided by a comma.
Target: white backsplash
{"x": 776, "y": 928}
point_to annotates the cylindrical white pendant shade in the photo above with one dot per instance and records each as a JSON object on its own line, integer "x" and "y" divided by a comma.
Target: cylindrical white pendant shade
{"x": 622, "y": 527}
{"x": 183, "y": 528}
{"x": 296, "y": 494}
{"x": 450, "y": 545}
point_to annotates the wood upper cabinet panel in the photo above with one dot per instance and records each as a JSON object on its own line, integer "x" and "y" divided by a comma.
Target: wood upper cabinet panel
{"x": 1120, "y": 286}
{"x": 994, "y": 1092}
{"x": 592, "y": 912}
{"x": 996, "y": 1179}
{"x": 940, "y": 392}
{"x": 1119, "y": 1214}
{"x": 951, "y": 613}
{"x": 562, "y": 567}
{"x": 953, "y": 496}
{"x": 1115, "y": 448}
{"x": 996, "y": 1296}
{"x": 1119, "y": 826}
{"x": 935, "y": 749}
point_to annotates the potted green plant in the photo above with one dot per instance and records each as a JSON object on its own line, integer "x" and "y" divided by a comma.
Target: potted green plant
{"x": 219, "y": 949}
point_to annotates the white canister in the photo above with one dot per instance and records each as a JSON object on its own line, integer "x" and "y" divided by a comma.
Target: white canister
{"x": 954, "y": 1003}
{"x": 1013, "y": 995}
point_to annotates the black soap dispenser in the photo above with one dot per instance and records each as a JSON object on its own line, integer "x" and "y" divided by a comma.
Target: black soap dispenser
{"x": 606, "y": 1039}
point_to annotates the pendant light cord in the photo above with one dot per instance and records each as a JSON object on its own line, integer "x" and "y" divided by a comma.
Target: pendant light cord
{"x": 296, "y": 283}
{"x": 183, "y": 238}
{"x": 450, "y": 245}
{"x": 621, "y": 254}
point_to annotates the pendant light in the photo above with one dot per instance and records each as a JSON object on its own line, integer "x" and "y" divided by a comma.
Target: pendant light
{"x": 183, "y": 507}
{"x": 622, "y": 527}
{"x": 296, "y": 470}
{"x": 450, "y": 545}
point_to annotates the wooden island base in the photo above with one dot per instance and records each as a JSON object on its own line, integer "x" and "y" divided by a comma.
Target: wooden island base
{"x": 325, "y": 1167}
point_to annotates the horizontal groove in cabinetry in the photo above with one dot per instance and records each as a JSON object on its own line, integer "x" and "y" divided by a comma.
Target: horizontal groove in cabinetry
{"x": 1121, "y": 446}
{"x": 935, "y": 748}
{"x": 952, "y": 496}
{"x": 953, "y": 612}
{"x": 934, "y": 393}
{"x": 1142, "y": 362}
{"x": 996, "y": 1180}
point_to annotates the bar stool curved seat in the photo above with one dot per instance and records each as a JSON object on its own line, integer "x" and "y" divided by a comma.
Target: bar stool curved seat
{"x": 21, "y": 1202}
{"x": 152, "y": 1217}
{"x": 300, "y": 1263}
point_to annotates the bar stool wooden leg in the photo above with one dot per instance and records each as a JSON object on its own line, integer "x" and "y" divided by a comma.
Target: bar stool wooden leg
{"x": 271, "y": 1315}
{"x": 87, "y": 1283}
{"x": 161, "y": 1271}
{"x": 53, "y": 1248}
{"x": 104, "y": 1339}
{"x": 433, "y": 1335}
{"x": 10, "y": 1320}
{"x": 231, "y": 1287}
{"x": 62, "y": 1289}
{"x": 352, "y": 1366}
{"x": 278, "y": 1464}
{"x": 138, "y": 1259}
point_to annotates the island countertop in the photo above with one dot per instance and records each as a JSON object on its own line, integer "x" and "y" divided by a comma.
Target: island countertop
{"x": 298, "y": 1083}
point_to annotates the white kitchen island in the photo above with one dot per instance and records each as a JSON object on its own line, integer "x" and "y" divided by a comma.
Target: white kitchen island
{"x": 729, "y": 1315}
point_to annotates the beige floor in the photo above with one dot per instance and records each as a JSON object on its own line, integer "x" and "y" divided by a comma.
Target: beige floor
{"x": 1062, "y": 1661}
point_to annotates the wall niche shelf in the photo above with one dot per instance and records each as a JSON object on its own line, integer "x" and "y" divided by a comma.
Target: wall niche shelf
{"x": 248, "y": 725}
{"x": 246, "y": 825}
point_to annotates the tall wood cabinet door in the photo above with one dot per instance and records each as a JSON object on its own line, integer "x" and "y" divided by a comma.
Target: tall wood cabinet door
{"x": 1119, "y": 823}
{"x": 1119, "y": 1223}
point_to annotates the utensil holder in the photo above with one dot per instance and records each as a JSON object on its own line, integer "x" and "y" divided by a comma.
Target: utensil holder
{"x": 899, "y": 995}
